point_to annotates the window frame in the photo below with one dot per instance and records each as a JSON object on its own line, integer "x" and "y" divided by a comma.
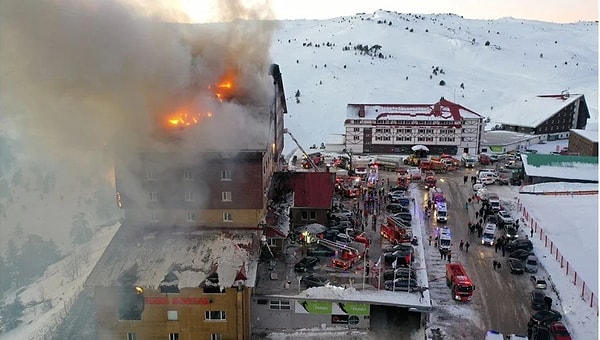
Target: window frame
{"x": 191, "y": 216}
{"x": 227, "y": 216}
{"x": 226, "y": 196}
{"x": 226, "y": 175}
{"x": 208, "y": 315}
{"x": 173, "y": 336}
{"x": 279, "y": 305}
{"x": 172, "y": 315}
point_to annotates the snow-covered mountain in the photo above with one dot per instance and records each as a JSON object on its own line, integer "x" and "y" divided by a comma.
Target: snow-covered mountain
{"x": 409, "y": 55}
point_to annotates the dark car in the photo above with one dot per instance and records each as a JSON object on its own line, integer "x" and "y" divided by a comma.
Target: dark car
{"x": 539, "y": 332}
{"x": 397, "y": 188}
{"x": 544, "y": 317}
{"x": 399, "y": 273}
{"x": 492, "y": 219}
{"x": 397, "y": 208}
{"x": 401, "y": 284}
{"x": 406, "y": 216}
{"x": 515, "y": 266}
{"x": 538, "y": 300}
{"x": 401, "y": 246}
{"x": 402, "y": 200}
{"x": 321, "y": 251}
{"x": 520, "y": 254}
{"x": 403, "y": 256}
{"x": 511, "y": 232}
{"x": 306, "y": 264}
{"x": 524, "y": 244}
{"x": 313, "y": 280}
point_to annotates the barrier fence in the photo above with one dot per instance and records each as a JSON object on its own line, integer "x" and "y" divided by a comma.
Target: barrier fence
{"x": 585, "y": 292}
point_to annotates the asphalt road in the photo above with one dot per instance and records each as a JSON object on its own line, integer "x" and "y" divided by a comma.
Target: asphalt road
{"x": 500, "y": 301}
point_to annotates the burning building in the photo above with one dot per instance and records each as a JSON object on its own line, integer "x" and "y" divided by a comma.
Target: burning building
{"x": 205, "y": 169}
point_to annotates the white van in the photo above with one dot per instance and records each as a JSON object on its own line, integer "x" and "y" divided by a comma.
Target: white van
{"x": 494, "y": 335}
{"x": 445, "y": 239}
{"x": 441, "y": 212}
{"x": 488, "y": 178}
{"x": 489, "y": 234}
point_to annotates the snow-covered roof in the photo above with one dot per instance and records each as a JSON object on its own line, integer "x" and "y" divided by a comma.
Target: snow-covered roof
{"x": 501, "y": 137}
{"x": 561, "y": 166}
{"x": 587, "y": 134}
{"x": 191, "y": 256}
{"x": 532, "y": 111}
{"x": 440, "y": 111}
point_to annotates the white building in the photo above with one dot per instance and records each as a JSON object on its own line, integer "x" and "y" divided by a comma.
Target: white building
{"x": 444, "y": 127}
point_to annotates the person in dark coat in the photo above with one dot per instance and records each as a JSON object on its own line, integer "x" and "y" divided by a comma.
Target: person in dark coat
{"x": 449, "y": 257}
{"x": 467, "y": 245}
{"x": 495, "y": 264}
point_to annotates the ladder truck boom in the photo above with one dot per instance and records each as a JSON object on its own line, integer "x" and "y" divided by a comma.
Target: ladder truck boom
{"x": 308, "y": 158}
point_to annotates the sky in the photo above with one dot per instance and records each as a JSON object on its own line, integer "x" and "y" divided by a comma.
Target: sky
{"x": 549, "y": 10}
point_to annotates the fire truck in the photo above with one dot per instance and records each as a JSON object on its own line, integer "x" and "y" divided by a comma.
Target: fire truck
{"x": 347, "y": 254}
{"x": 396, "y": 231}
{"x": 435, "y": 165}
{"x": 430, "y": 180}
{"x": 459, "y": 282}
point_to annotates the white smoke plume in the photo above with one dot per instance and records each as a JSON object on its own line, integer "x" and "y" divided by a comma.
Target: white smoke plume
{"x": 76, "y": 75}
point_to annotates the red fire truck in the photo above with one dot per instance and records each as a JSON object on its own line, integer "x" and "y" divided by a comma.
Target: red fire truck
{"x": 430, "y": 180}
{"x": 459, "y": 282}
{"x": 396, "y": 231}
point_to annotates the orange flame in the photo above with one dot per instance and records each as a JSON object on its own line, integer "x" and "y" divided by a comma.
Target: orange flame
{"x": 184, "y": 117}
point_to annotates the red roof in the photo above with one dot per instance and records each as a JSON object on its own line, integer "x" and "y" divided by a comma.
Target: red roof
{"x": 313, "y": 189}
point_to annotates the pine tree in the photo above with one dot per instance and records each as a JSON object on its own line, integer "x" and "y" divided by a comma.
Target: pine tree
{"x": 11, "y": 314}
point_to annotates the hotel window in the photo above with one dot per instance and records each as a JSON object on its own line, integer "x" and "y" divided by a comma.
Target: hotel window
{"x": 386, "y": 138}
{"x": 172, "y": 315}
{"x": 187, "y": 174}
{"x": 153, "y": 196}
{"x": 378, "y": 130}
{"x": 226, "y": 196}
{"x": 189, "y": 196}
{"x": 420, "y": 139}
{"x": 356, "y": 137}
{"x": 131, "y": 336}
{"x": 378, "y": 138}
{"x": 191, "y": 217}
{"x": 154, "y": 216}
{"x": 387, "y": 130}
{"x": 173, "y": 336}
{"x": 216, "y": 336}
{"x": 421, "y": 131}
{"x": 276, "y": 304}
{"x": 214, "y": 315}
{"x": 356, "y": 129}
{"x": 150, "y": 175}
{"x": 225, "y": 175}
{"x": 227, "y": 217}
{"x": 428, "y": 130}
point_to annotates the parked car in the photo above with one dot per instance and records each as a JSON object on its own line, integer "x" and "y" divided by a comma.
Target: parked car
{"x": 400, "y": 284}
{"x": 544, "y": 317}
{"x": 314, "y": 280}
{"x": 531, "y": 264}
{"x": 538, "y": 299}
{"x": 401, "y": 246}
{"x": 524, "y": 244}
{"x": 515, "y": 266}
{"x": 396, "y": 208}
{"x": 306, "y": 264}
{"x": 519, "y": 254}
{"x": 397, "y": 188}
{"x": 402, "y": 200}
{"x": 540, "y": 332}
{"x": 559, "y": 331}
{"x": 538, "y": 283}
{"x": 407, "y": 216}
{"x": 401, "y": 272}
{"x": 404, "y": 257}
{"x": 493, "y": 219}
{"x": 505, "y": 218}
{"x": 321, "y": 251}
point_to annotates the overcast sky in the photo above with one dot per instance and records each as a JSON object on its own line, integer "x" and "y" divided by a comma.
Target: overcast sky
{"x": 546, "y": 10}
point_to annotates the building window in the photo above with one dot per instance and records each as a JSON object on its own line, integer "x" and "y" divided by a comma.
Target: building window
{"x": 153, "y": 196}
{"x": 154, "y": 216}
{"x": 308, "y": 215}
{"x": 214, "y": 315}
{"x": 421, "y": 131}
{"x": 272, "y": 242}
{"x": 420, "y": 139}
{"x": 131, "y": 336}
{"x": 225, "y": 175}
{"x": 191, "y": 217}
{"x": 356, "y": 138}
{"x": 356, "y": 129}
{"x": 378, "y": 138}
{"x": 187, "y": 174}
{"x": 226, "y": 196}
{"x": 172, "y": 315}
{"x": 276, "y": 304}
{"x": 216, "y": 336}
{"x": 227, "y": 217}
{"x": 173, "y": 336}
{"x": 150, "y": 175}
{"x": 189, "y": 196}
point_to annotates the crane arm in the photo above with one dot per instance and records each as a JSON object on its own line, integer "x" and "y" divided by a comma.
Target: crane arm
{"x": 308, "y": 158}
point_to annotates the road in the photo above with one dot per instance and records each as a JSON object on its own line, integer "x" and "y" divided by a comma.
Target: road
{"x": 500, "y": 300}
